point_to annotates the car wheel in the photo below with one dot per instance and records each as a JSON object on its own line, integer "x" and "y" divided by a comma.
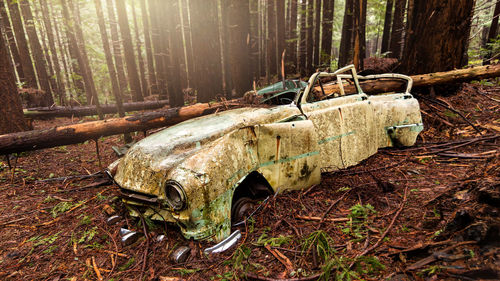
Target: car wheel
{"x": 242, "y": 208}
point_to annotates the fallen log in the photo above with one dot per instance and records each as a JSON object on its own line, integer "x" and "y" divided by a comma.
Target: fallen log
{"x": 79, "y": 111}
{"x": 71, "y": 134}
{"x": 77, "y": 133}
{"x": 424, "y": 80}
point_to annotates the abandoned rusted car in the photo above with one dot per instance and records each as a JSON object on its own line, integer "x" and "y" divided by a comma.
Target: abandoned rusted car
{"x": 205, "y": 173}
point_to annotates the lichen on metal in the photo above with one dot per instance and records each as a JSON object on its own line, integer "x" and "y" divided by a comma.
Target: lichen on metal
{"x": 209, "y": 157}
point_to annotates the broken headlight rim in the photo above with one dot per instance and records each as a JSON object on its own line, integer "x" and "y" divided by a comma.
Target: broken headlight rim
{"x": 175, "y": 195}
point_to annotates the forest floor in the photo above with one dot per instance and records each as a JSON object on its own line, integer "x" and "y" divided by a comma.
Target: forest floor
{"x": 441, "y": 221}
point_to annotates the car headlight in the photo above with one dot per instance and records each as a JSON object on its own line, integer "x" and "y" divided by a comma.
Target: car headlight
{"x": 175, "y": 195}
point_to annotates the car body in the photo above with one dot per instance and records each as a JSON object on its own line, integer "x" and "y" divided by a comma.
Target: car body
{"x": 195, "y": 173}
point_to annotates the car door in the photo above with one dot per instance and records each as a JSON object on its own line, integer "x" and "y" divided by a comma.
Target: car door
{"x": 288, "y": 154}
{"x": 345, "y": 126}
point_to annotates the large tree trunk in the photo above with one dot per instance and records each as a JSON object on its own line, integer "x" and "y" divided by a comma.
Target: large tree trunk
{"x": 138, "y": 44}
{"x": 359, "y": 33}
{"x": 303, "y": 39}
{"x": 492, "y": 33}
{"x": 63, "y": 53}
{"x": 345, "y": 52}
{"x": 387, "y": 26}
{"x": 326, "y": 40}
{"x": 317, "y": 27}
{"x": 117, "y": 49}
{"x": 175, "y": 53}
{"x": 254, "y": 40}
{"x": 271, "y": 57}
{"x": 87, "y": 70}
{"x": 79, "y": 111}
{"x": 74, "y": 53}
{"x": 47, "y": 19}
{"x": 207, "y": 71}
{"x": 438, "y": 36}
{"x": 36, "y": 50}
{"x": 280, "y": 33}
{"x": 18, "y": 142}
{"x": 22, "y": 45}
{"x": 239, "y": 31}
{"x": 12, "y": 41}
{"x": 133, "y": 75}
{"x": 292, "y": 39}
{"x": 149, "y": 50}
{"x": 115, "y": 86}
{"x": 161, "y": 86}
{"x": 11, "y": 111}
{"x": 310, "y": 37}
{"x": 396, "y": 45}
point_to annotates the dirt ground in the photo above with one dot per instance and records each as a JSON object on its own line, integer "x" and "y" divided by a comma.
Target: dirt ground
{"x": 429, "y": 212}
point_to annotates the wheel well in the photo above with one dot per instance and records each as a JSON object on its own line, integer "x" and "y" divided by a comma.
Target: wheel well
{"x": 254, "y": 186}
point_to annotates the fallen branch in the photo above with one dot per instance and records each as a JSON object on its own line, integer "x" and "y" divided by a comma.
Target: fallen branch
{"x": 79, "y": 111}
{"x": 307, "y": 218}
{"x": 252, "y": 276}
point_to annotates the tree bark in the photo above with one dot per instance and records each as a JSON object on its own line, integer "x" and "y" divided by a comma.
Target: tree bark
{"x": 326, "y": 40}
{"x": 37, "y": 52}
{"x": 117, "y": 49}
{"x": 445, "y": 25}
{"x": 280, "y": 33}
{"x": 47, "y": 20}
{"x": 175, "y": 53}
{"x": 22, "y": 45}
{"x": 492, "y": 33}
{"x": 345, "y": 52}
{"x": 149, "y": 50}
{"x": 303, "y": 39}
{"x": 133, "y": 75}
{"x": 254, "y": 40}
{"x": 207, "y": 71}
{"x": 396, "y": 45}
{"x": 387, "y": 26}
{"x": 12, "y": 41}
{"x": 271, "y": 52}
{"x": 238, "y": 25}
{"x": 80, "y": 111}
{"x": 63, "y": 54}
{"x": 292, "y": 39}
{"x": 140, "y": 59}
{"x": 115, "y": 86}
{"x": 310, "y": 37}
{"x": 161, "y": 86}
{"x": 11, "y": 111}
{"x": 359, "y": 33}
{"x": 317, "y": 27}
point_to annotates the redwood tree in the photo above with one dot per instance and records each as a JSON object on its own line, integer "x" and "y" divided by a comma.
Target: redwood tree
{"x": 327, "y": 25}
{"x": 387, "y": 26}
{"x": 207, "y": 71}
{"x": 22, "y": 44}
{"x": 133, "y": 75}
{"x": 11, "y": 111}
{"x": 238, "y": 24}
{"x": 37, "y": 52}
{"x": 149, "y": 49}
{"x": 292, "y": 38}
{"x": 439, "y": 32}
{"x": 11, "y": 40}
{"x": 396, "y": 44}
{"x": 271, "y": 51}
{"x": 493, "y": 32}
{"x": 345, "y": 52}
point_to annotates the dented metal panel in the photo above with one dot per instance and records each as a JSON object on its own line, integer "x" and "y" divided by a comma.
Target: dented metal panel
{"x": 288, "y": 145}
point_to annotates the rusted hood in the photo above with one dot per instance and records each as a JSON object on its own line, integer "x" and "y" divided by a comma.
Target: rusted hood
{"x": 146, "y": 165}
